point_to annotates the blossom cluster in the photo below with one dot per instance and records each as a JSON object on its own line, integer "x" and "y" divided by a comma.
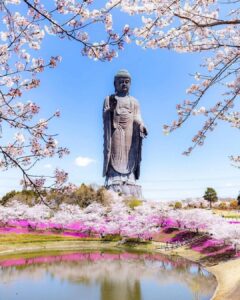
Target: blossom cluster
{"x": 117, "y": 218}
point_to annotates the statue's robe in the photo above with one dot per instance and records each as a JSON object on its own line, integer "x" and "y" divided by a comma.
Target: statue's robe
{"x": 122, "y": 138}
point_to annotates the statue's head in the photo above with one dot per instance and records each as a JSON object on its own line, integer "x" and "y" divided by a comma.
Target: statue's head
{"x": 122, "y": 82}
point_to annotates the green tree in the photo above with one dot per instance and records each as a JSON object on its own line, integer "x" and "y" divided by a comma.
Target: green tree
{"x": 7, "y": 197}
{"x": 84, "y": 195}
{"x": 210, "y": 195}
{"x": 102, "y": 196}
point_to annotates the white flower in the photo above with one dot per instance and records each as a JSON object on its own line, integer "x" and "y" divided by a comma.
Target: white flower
{"x": 3, "y": 36}
{"x": 19, "y": 137}
{"x": 202, "y": 110}
{"x": 210, "y": 66}
{"x": 15, "y": 2}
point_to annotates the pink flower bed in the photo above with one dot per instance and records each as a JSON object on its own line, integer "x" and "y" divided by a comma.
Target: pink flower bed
{"x": 127, "y": 224}
{"x": 5, "y": 230}
{"x": 93, "y": 256}
{"x": 27, "y": 227}
{"x": 234, "y": 222}
{"x": 206, "y": 244}
{"x": 211, "y": 246}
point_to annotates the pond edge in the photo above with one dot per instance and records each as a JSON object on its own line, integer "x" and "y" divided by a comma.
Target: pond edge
{"x": 228, "y": 286}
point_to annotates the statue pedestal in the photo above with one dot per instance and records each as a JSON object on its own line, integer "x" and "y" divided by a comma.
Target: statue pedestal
{"x": 127, "y": 190}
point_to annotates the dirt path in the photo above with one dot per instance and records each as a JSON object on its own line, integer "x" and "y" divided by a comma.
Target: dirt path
{"x": 228, "y": 278}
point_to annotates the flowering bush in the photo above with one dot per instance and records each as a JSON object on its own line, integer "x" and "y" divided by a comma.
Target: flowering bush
{"x": 116, "y": 219}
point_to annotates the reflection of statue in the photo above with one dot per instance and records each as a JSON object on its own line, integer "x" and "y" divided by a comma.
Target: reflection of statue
{"x": 123, "y": 133}
{"x": 121, "y": 290}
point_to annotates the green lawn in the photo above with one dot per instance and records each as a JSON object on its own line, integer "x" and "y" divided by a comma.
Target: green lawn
{"x": 233, "y": 214}
{"x": 37, "y": 238}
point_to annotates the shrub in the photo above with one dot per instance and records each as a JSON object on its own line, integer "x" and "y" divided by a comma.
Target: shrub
{"x": 234, "y": 204}
{"x": 103, "y": 196}
{"x": 178, "y": 205}
{"x": 85, "y": 195}
{"x": 130, "y": 241}
{"x": 111, "y": 238}
{"x": 133, "y": 202}
{"x": 222, "y": 205}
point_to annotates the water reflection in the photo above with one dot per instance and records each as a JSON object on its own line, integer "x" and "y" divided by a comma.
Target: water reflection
{"x": 103, "y": 276}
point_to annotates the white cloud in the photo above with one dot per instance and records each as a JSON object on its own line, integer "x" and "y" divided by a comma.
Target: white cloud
{"x": 82, "y": 161}
{"x": 48, "y": 166}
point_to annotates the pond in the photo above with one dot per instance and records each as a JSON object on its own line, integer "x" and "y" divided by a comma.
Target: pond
{"x": 104, "y": 275}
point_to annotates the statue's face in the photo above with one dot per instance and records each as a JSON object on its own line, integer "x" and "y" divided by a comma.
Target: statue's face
{"x": 122, "y": 85}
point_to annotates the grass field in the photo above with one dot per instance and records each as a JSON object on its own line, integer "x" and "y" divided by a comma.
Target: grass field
{"x": 37, "y": 238}
{"x": 229, "y": 214}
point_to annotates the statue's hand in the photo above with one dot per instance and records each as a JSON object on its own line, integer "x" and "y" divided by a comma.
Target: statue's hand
{"x": 143, "y": 130}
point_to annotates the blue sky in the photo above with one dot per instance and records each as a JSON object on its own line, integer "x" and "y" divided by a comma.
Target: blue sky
{"x": 159, "y": 81}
